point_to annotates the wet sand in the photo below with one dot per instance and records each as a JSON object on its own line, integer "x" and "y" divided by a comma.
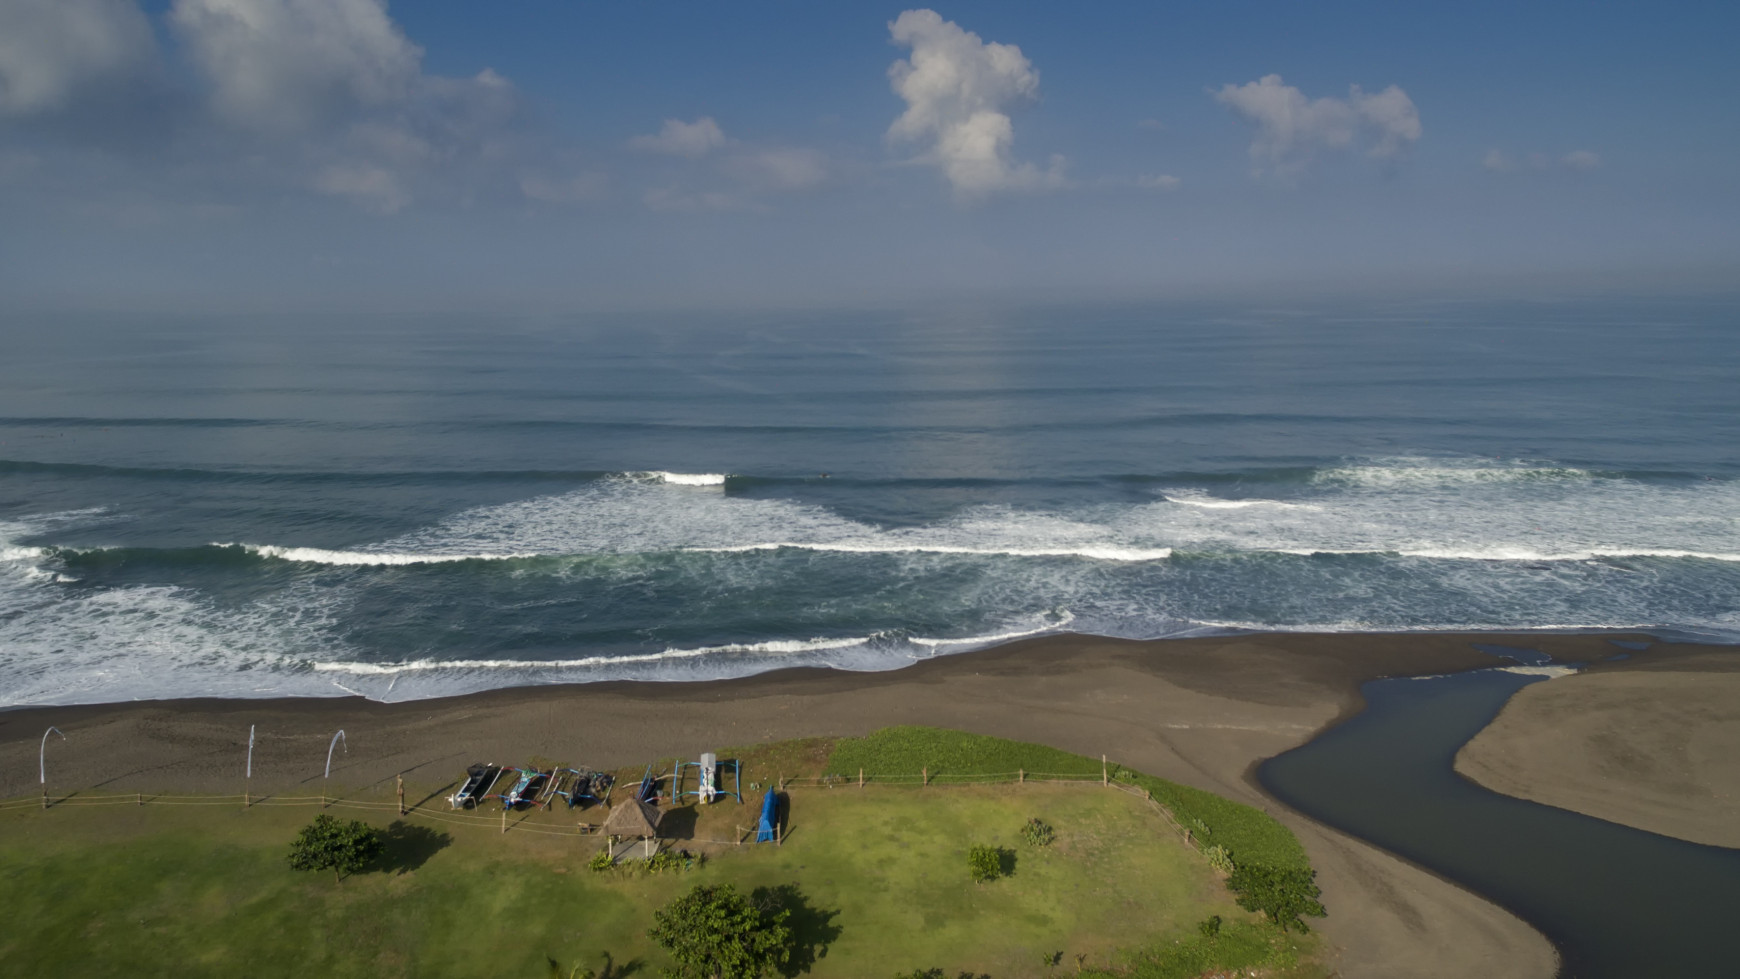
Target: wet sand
{"x": 1203, "y": 712}
{"x": 1649, "y": 742}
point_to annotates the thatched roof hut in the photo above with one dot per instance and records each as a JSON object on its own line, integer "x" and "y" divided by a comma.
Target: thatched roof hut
{"x": 633, "y": 819}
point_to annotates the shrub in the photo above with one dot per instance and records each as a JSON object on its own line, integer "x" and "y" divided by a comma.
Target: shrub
{"x": 1209, "y": 926}
{"x": 713, "y": 931}
{"x": 329, "y": 844}
{"x": 600, "y": 861}
{"x": 984, "y": 862}
{"x": 668, "y": 862}
{"x": 1037, "y": 833}
{"x": 1284, "y": 894}
{"x": 1220, "y": 859}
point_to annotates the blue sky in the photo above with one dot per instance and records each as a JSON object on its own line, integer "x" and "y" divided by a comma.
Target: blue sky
{"x": 563, "y": 155}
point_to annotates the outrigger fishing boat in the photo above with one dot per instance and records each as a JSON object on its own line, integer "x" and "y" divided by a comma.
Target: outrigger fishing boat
{"x": 581, "y": 785}
{"x": 528, "y": 788}
{"x": 479, "y": 779}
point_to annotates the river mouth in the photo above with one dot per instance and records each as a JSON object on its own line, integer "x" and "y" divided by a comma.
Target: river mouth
{"x": 1617, "y": 902}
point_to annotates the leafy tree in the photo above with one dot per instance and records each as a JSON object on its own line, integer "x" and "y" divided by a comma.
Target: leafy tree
{"x": 984, "y": 862}
{"x": 713, "y": 932}
{"x": 341, "y": 847}
{"x": 1284, "y": 894}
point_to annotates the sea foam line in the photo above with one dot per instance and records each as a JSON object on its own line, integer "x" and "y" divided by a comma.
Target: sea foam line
{"x": 783, "y": 646}
{"x": 317, "y": 555}
{"x": 1209, "y": 503}
{"x": 1065, "y": 619}
{"x": 1097, "y": 553}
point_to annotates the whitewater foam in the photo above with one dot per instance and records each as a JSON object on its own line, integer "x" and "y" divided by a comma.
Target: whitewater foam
{"x": 316, "y": 555}
{"x": 687, "y": 479}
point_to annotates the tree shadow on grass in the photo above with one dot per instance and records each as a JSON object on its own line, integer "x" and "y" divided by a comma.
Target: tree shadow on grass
{"x": 405, "y": 846}
{"x": 610, "y": 969}
{"x": 812, "y": 928}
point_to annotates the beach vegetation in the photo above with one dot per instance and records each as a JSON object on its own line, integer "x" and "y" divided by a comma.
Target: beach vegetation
{"x": 1286, "y": 895}
{"x": 341, "y": 846}
{"x": 713, "y": 932}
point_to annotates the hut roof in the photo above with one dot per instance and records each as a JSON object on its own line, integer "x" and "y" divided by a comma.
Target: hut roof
{"x": 633, "y": 818}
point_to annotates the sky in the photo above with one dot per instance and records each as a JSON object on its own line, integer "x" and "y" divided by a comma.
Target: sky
{"x": 558, "y": 154}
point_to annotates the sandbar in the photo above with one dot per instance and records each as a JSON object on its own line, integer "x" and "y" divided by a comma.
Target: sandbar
{"x": 1650, "y": 742}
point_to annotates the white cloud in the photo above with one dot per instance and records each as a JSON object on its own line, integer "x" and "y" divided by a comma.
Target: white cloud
{"x": 51, "y": 51}
{"x": 1158, "y": 181}
{"x": 1291, "y": 127}
{"x": 285, "y": 66}
{"x": 1499, "y": 161}
{"x": 678, "y": 138}
{"x": 957, "y": 88}
{"x": 371, "y": 187}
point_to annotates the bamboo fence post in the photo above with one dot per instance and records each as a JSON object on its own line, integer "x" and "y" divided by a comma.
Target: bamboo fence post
{"x": 141, "y": 797}
{"x": 860, "y": 778}
{"x": 504, "y": 819}
{"x": 1021, "y": 775}
{"x": 1105, "y": 779}
{"x": 925, "y": 775}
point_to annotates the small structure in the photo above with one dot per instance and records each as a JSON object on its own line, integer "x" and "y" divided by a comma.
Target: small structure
{"x": 633, "y": 819}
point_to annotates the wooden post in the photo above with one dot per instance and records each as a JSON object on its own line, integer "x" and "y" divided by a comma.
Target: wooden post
{"x": 1021, "y": 775}
{"x": 925, "y": 775}
{"x": 860, "y": 778}
{"x": 45, "y": 796}
{"x": 247, "y": 798}
{"x": 141, "y": 796}
{"x": 504, "y": 819}
{"x": 1105, "y": 779}
{"x": 401, "y": 781}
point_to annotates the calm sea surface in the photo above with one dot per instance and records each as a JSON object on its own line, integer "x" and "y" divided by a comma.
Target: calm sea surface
{"x": 409, "y": 507}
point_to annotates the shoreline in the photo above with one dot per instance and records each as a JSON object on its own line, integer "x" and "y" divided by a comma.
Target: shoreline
{"x": 1204, "y": 712}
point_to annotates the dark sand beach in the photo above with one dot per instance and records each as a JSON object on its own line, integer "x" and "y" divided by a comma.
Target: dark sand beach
{"x": 1203, "y": 712}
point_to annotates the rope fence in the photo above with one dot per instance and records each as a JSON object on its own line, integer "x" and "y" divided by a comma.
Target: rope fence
{"x": 498, "y": 822}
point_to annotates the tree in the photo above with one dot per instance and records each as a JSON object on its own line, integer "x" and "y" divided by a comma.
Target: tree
{"x": 1284, "y": 894}
{"x": 713, "y": 932}
{"x": 341, "y": 847}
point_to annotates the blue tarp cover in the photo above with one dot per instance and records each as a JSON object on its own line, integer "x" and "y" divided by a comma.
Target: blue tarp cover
{"x": 769, "y": 816}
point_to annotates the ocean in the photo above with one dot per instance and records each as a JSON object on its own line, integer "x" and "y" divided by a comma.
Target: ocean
{"x": 415, "y": 506}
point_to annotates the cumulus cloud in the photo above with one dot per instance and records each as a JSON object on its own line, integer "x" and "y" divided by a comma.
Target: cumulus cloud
{"x": 957, "y": 89}
{"x": 54, "y": 51}
{"x": 284, "y": 66}
{"x": 678, "y": 138}
{"x": 1291, "y": 128}
{"x": 1500, "y": 161}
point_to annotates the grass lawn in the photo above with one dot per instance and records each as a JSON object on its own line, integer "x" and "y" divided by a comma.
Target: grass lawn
{"x": 882, "y": 873}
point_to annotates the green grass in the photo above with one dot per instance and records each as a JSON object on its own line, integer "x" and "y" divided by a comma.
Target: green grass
{"x": 1249, "y": 834}
{"x": 189, "y": 890}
